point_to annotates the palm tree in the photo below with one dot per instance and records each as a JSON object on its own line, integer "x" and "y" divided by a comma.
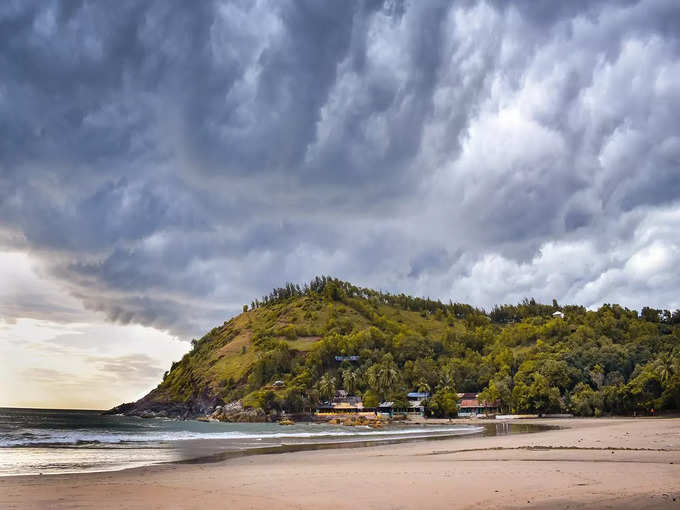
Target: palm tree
{"x": 665, "y": 367}
{"x": 327, "y": 387}
{"x": 350, "y": 380}
{"x": 383, "y": 377}
{"x": 446, "y": 379}
{"x": 423, "y": 387}
{"x": 387, "y": 376}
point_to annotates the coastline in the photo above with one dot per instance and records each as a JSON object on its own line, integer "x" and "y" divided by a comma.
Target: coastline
{"x": 605, "y": 462}
{"x": 202, "y": 450}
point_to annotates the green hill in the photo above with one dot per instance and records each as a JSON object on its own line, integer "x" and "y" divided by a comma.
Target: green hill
{"x": 611, "y": 360}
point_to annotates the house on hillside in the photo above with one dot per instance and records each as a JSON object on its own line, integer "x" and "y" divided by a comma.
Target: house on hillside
{"x": 558, "y": 314}
{"x": 347, "y": 358}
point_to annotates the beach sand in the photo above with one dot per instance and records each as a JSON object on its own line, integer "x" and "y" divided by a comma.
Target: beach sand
{"x": 587, "y": 463}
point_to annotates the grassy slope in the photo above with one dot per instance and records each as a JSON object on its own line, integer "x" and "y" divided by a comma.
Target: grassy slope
{"x": 222, "y": 359}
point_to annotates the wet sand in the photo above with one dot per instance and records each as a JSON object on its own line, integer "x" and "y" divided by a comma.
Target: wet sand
{"x": 588, "y": 463}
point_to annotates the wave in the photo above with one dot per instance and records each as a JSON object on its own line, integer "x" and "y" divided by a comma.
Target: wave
{"x": 81, "y": 438}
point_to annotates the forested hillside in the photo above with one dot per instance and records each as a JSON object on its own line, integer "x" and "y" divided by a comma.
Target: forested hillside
{"x": 612, "y": 360}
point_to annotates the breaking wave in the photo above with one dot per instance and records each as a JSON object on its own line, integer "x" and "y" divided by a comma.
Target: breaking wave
{"x": 46, "y": 438}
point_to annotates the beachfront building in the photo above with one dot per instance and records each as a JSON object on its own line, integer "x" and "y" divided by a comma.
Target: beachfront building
{"x": 415, "y": 402}
{"x": 342, "y": 408}
{"x": 385, "y": 409}
{"x": 470, "y": 405}
{"x": 342, "y": 403}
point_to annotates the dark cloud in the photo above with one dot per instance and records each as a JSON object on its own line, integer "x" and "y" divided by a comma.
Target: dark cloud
{"x": 170, "y": 161}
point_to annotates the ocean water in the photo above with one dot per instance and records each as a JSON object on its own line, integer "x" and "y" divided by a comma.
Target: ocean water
{"x": 39, "y": 441}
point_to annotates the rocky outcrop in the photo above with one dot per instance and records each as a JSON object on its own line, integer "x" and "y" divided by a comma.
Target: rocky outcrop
{"x": 235, "y": 412}
{"x": 121, "y": 409}
{"x": 154, "y": 405}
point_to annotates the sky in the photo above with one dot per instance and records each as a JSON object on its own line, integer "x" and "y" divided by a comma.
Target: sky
{"x": 164, "y": 162}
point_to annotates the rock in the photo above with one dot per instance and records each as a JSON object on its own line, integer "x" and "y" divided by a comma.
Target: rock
{"x": 121, "y": 409}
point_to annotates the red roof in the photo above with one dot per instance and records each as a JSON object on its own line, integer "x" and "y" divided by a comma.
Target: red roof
{"x": 473, "y": 402}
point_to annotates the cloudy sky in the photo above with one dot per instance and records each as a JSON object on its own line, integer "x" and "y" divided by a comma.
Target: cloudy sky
{"x": 162, "y": 163}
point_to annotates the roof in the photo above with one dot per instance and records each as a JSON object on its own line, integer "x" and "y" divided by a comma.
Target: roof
{"x": 558, "y": 313}
{"x": 473, "y": 402}
{"x": 386, "y": 404}
{"x": 417, "y": 394}
{"x": 347, "y": 358}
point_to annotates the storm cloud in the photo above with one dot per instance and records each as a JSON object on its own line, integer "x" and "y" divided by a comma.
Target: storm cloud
{"x": 169, "y": 161}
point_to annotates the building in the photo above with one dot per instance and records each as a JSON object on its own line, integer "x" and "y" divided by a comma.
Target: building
{"x": 385, "y": 409}
{"x": 343, "y": 403}
{"x": 347, "y": 358}
{"x": 415, "y": 402}
{"x": 558, "y": 314}
{"x": 469, "y": 405}
{"x": 343, "y": 408}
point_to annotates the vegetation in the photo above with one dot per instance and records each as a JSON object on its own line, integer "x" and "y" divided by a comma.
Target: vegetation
{"x": 606, "y": 361}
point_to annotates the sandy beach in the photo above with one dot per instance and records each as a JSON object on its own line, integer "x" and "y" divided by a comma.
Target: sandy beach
{"x": 587, "y": 463}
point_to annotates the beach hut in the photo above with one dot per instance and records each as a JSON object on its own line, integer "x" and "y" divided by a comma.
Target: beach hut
{"x": 469, "y": 405}
{"x": 415, "y": 402}
{"x": 385, "y": 409}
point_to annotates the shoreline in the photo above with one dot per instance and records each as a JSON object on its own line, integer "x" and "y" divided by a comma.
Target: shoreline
{"x": 206, "y": 451}
{"x": 600, "y": 462}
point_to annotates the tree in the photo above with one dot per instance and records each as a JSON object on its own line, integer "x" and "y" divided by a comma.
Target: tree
{"x": 371, "y": 399}
{"x": 650, "y": 314}
{"x": 447, "y": 378}
{"x": 443, "y": 404}
{"x": 491, "y": 394}
{"x": 423, "y": 387}
{"x": 294, "y": 400}
{"x": 327, "y": 387}
{"x": 350, "y": 381}
{"x": 245, "y": 308}
{"x": 544, "y": 398}
{"x": 384, "y": 377}
{"x": 665, "y": 365}
{"x": 500, "y": 389}
{"x": 597, "y": 376}
{"x": 585, "y": 401}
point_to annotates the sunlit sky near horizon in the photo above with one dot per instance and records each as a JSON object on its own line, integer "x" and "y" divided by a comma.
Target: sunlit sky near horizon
{"x": 164, "y": 162}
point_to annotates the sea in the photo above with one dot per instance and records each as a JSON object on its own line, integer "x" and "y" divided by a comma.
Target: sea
{"x": 42, "y": 441}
